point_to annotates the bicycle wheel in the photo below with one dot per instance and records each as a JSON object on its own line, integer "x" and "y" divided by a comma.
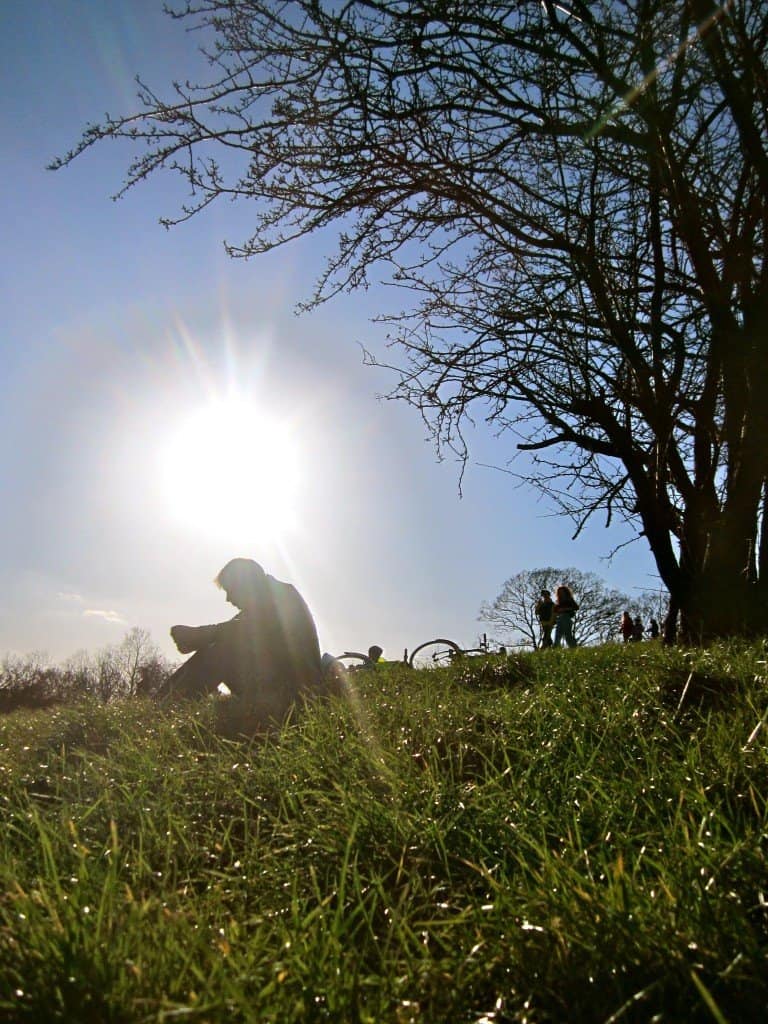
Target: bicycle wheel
{"x": 434, "y": 654}
{"x": 354, "y": 656}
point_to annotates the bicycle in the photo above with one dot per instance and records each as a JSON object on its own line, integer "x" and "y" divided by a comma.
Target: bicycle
{"x": 434, "y": 653}
{"x": 430, "y": 654}
{"x": 357, "y": 656}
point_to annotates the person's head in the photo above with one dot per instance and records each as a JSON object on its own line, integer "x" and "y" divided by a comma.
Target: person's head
{"x": 243, "y": 581}
{"x": 545, "y": 594}
{"x": 375, "y": 652}
{"x": 563, "y": 592}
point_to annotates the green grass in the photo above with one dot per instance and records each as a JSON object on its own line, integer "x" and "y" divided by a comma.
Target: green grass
{"x": 565, "y": 836}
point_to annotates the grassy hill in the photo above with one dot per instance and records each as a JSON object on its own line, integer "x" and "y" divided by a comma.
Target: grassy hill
{"x": 562, "y": 836}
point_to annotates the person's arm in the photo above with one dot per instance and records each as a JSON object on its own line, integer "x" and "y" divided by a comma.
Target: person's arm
{"x": 194, "y": 638}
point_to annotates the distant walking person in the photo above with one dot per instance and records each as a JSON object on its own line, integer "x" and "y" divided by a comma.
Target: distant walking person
{"x": 268, "y": 655}
{"x": 653, "y": 629}
{"x": 626, "y": 627}
{"x": 637, "y": 630}
{"x": 545, "y": 613}
{"x": 565, "y": 611}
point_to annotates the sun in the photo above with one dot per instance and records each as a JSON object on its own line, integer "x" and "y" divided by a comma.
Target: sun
{"x": 229, "y": 470}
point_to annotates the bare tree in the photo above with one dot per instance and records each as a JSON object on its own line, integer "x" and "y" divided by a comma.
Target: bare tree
{"x": 135, "y": 650}
{"x": 80, "y": 672}
{"x": 131, "y": 668}
{"x": 512, "y": 611}
{"x": 575, "y": 195}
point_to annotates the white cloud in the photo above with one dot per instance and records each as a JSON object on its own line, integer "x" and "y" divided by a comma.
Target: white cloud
{"x": 107, "y": 616}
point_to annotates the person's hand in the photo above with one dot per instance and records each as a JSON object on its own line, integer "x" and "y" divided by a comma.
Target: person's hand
{"x": 182, "y": 637}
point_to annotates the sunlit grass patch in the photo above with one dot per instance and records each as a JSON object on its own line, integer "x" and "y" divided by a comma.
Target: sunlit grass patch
{"x": 558, "y": 841}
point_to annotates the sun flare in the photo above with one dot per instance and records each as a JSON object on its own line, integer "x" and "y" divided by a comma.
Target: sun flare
{"x": 229, "y": 470}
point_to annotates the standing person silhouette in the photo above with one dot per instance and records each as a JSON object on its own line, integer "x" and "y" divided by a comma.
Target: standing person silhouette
{"x": 626, "y": 627}
{"x": 268, "y": 655}
{"x": 545, "y": 613}
{"x": 565, "y": 610}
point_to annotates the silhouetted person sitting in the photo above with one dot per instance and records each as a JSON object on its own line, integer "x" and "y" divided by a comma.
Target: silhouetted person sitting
{"x": 268, "y": 655}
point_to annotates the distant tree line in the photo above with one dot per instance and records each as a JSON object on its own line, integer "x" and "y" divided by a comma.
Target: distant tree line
{"x": 134, "y": 667}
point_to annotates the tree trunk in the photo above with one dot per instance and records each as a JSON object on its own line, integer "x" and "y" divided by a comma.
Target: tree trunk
{"x": 718, "y": 606}
{"x": 713, "y": 588}
{"x": 721, "y": 597}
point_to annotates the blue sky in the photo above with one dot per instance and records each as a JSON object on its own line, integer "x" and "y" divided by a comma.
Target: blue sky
{"x": 118, "y": 334}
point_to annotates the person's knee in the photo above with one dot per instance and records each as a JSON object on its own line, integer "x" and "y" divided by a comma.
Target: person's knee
{"x": 197, "y": 677}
